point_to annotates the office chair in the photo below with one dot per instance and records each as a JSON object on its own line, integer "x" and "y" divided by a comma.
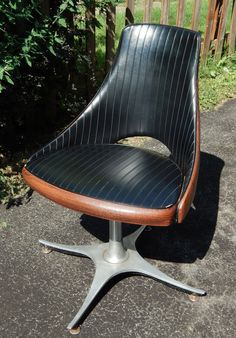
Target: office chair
{"x": 150, "y": 90}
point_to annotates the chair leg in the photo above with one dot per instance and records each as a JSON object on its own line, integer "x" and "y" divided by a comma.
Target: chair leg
{"x": 130, "y": 240}
{"x": 76, "y": 250}
{"x": 142, "y": 267}
{"x": 101, "y": 277}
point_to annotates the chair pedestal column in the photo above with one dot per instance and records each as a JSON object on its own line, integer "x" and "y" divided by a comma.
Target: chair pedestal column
{"x": 115, "y": 252}
{"x": 118, "y": 256}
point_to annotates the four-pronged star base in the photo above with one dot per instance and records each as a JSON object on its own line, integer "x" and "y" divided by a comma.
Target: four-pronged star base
{"x": 118, "y": 256}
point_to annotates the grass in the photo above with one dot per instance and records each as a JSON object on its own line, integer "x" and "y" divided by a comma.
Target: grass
{"x": 217, "y": 82}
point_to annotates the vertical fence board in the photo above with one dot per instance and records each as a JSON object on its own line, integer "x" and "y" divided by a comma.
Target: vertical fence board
{"x": 90, "y": 28}
{"x": 180, "y": 13}
{"x": 232, "y": 35}
{"x": 165, "y": 6}
{"x": 45, "y": 6}
{"x": 90, "y": 47}
{"x": 221, "y": 30}
{"x": 110, "y": 35}
{"x": 129, "y": 12}
{"x": 147, "y": 11}
{"x": 196, "y": 15}
{"x": 216, "y": 21}
{"x": 209, "y": 24}
{"x": 215, "y": 25}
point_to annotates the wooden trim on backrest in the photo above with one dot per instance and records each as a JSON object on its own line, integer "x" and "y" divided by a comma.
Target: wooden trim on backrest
{"x": 188, "y": 196}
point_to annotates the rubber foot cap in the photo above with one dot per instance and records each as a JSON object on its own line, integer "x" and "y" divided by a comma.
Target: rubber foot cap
{"x": 194, "y": 298}
{"x": 75, "y": 330}
{"x": 46, "y": 250}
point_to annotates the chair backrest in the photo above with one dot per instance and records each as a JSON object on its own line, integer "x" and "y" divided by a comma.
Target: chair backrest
{"x": 150, "y": 90}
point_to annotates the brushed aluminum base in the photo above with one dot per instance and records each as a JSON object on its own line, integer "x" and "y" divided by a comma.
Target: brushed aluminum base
{"x": 118, "y": 256}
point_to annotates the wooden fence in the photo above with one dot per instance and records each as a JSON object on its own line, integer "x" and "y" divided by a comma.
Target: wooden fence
{"x": 215, "y": 39}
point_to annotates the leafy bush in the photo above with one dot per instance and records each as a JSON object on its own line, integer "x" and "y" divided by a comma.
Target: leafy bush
{"x": 33, "y": 32}
{"x": 43, "y": 65}
{"x": 12, "y": 187}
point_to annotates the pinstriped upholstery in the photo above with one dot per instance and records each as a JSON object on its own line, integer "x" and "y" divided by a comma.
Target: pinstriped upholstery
{"x": 150, "y": 90}
{"x": 116, "y": 173}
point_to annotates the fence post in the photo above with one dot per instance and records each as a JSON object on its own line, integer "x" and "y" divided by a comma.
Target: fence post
{"x": 215, "y": 27}
{"x": 165, "y": 5}
{"x": 90, "y": 47}
{"x": 232, "y": 35}
{"x": 180, "y": 13}
{"x": 221, "y": 29}
{"x": 196, "y": 14}
{"x": 110, "y": 35}
{"x": 90, "y": 28}
{"x": 50, "y": 87}
{"x": 147, "y": 11}
{"x": 129, "y": 12}
{"x": 209, "y": 24}
{"x": 45, "y": 6}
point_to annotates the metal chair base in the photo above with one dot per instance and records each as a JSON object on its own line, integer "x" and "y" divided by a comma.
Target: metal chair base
{"x": 118, "y": 256}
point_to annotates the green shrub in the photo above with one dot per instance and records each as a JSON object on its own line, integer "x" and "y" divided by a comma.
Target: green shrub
{"x": 42, "y": 65}
{"x": 31, "y": 34}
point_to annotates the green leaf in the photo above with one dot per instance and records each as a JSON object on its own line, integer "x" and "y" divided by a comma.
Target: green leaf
{"x": 25, "y": 49}
{"x": 52, "y": 50}
{"x": 35, "y": 33}
{"x": 8, "y": 79}
{"x": 1, "y": 72}
{"x": 12, "y": 5}
{"x": 58, "y": 40}
{"x": 62, "y": 22}
{"x": 63, "y": 6}
{"x": 28, "y": 61}
{"x": 213, "y": 74}
{"x": 1, "y": 87}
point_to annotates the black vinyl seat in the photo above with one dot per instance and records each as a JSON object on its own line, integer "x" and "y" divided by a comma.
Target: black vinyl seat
{"x": 150, "y": 90}
{"x": 115, "y": 173}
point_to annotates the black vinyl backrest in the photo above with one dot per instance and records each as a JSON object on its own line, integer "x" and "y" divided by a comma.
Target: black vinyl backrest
{"x": 150, "y": 90}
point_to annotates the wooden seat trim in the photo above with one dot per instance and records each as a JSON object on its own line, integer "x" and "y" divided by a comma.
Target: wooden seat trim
{"x": 100, "y": 208}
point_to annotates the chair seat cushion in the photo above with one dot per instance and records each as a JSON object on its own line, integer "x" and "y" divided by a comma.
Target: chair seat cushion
{"x": 112, "y": 172}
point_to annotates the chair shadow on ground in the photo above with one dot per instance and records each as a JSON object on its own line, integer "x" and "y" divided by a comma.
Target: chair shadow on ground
{"x": 182, "y": 243}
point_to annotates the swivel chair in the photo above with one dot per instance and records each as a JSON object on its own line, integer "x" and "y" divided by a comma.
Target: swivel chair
{"x": 151, "y": 90}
